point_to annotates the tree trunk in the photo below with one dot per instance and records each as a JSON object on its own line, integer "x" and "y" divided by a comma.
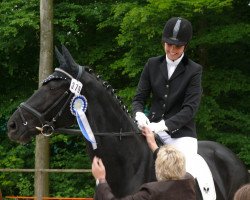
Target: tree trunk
{"x": 45, "y": 68}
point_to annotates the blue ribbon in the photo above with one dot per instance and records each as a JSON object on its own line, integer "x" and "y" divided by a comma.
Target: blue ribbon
{"x": 78, "y": 107}
{"x": 83, "y": 130}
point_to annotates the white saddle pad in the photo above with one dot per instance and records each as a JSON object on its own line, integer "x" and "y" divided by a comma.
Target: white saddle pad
{"x": 200, "y": 170}
{"x": 195, "y": 164}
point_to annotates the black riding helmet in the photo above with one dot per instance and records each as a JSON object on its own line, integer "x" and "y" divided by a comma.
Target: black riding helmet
{"x": 177, "y": 31}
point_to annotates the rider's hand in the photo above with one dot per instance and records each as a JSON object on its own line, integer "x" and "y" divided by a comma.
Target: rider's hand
{"x": 158, "y": 127}
{"x": 141, "y": 120}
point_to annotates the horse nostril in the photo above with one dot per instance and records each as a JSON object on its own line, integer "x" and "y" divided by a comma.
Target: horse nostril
{"x": 12, "y": 125}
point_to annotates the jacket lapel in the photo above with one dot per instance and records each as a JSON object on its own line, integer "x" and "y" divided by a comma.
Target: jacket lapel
{"x": 179, "y": 69}
{"x": 164, "y": 69}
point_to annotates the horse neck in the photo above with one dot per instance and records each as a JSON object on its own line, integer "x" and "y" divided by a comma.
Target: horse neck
{"x": 105, "y": 112}
{"x": 128, "y": 160}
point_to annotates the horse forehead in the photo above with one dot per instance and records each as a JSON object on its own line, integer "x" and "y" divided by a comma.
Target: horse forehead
{"x": 47, "y": 93}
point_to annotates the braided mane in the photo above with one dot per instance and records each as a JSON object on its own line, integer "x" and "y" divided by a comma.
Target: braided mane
{"x": 110, "y": 89}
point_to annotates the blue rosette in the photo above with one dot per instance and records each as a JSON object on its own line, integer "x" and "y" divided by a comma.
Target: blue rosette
{"x": 78, "y": 103}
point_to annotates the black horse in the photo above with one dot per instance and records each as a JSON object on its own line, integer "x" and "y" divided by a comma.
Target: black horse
{"x": 125, "y": 153}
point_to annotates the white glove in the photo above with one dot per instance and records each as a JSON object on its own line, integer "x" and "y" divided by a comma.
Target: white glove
{"x": 141, "y": 120}
{"x": 158, "y": 127}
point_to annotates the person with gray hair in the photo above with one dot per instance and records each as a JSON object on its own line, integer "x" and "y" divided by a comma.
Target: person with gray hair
{"x": 172, "y": 180}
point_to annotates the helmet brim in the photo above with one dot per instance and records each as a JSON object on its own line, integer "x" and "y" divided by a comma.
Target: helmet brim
{"x": 173, "y": 41}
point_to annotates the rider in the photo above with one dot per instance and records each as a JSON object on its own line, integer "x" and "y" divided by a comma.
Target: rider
{"x": 173, "y": 181}
{"x": 174, "y": 81}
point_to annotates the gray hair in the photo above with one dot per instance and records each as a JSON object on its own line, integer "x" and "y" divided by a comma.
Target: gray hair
{"x": 170, "y": 164}
{"x": 243, "y": 193}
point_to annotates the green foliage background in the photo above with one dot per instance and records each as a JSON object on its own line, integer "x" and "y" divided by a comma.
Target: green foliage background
{"x": 116, "y": 38}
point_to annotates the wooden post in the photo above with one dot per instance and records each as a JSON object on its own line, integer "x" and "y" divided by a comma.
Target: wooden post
{"x": 45, "y": 68}
{"x": 41, "y": 162}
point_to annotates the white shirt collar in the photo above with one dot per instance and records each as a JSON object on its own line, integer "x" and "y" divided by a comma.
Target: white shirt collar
{"x": 174, "y": 63}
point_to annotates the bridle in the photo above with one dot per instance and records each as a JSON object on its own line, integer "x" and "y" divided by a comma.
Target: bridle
{"x": 48, "y": 127}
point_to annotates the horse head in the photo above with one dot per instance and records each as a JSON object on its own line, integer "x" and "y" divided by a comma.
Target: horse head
{"x": 48, "y": 109}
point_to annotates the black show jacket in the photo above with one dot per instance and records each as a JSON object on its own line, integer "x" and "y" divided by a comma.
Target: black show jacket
{"x": 176, "y": 100}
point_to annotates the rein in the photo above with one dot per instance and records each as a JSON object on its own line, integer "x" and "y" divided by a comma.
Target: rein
{"x": 158, "y": 139}
{"x": 78, "y": 132}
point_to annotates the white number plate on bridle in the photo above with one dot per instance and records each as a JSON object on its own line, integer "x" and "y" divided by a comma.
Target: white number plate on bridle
{"x": 75, "y": 86}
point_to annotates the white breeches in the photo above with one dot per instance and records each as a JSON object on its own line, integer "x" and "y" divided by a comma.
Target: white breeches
{"x": 195, "y": 164}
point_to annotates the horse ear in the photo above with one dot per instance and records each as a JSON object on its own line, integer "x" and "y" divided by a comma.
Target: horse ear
{"x": 60, "y": 57}
{"x": 68, "y": 58}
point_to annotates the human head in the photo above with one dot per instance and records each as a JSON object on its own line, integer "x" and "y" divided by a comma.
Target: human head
{"x": 243, "y": 193}
{"x": 169, "y": 164}
{"x": 177, "y": 31}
